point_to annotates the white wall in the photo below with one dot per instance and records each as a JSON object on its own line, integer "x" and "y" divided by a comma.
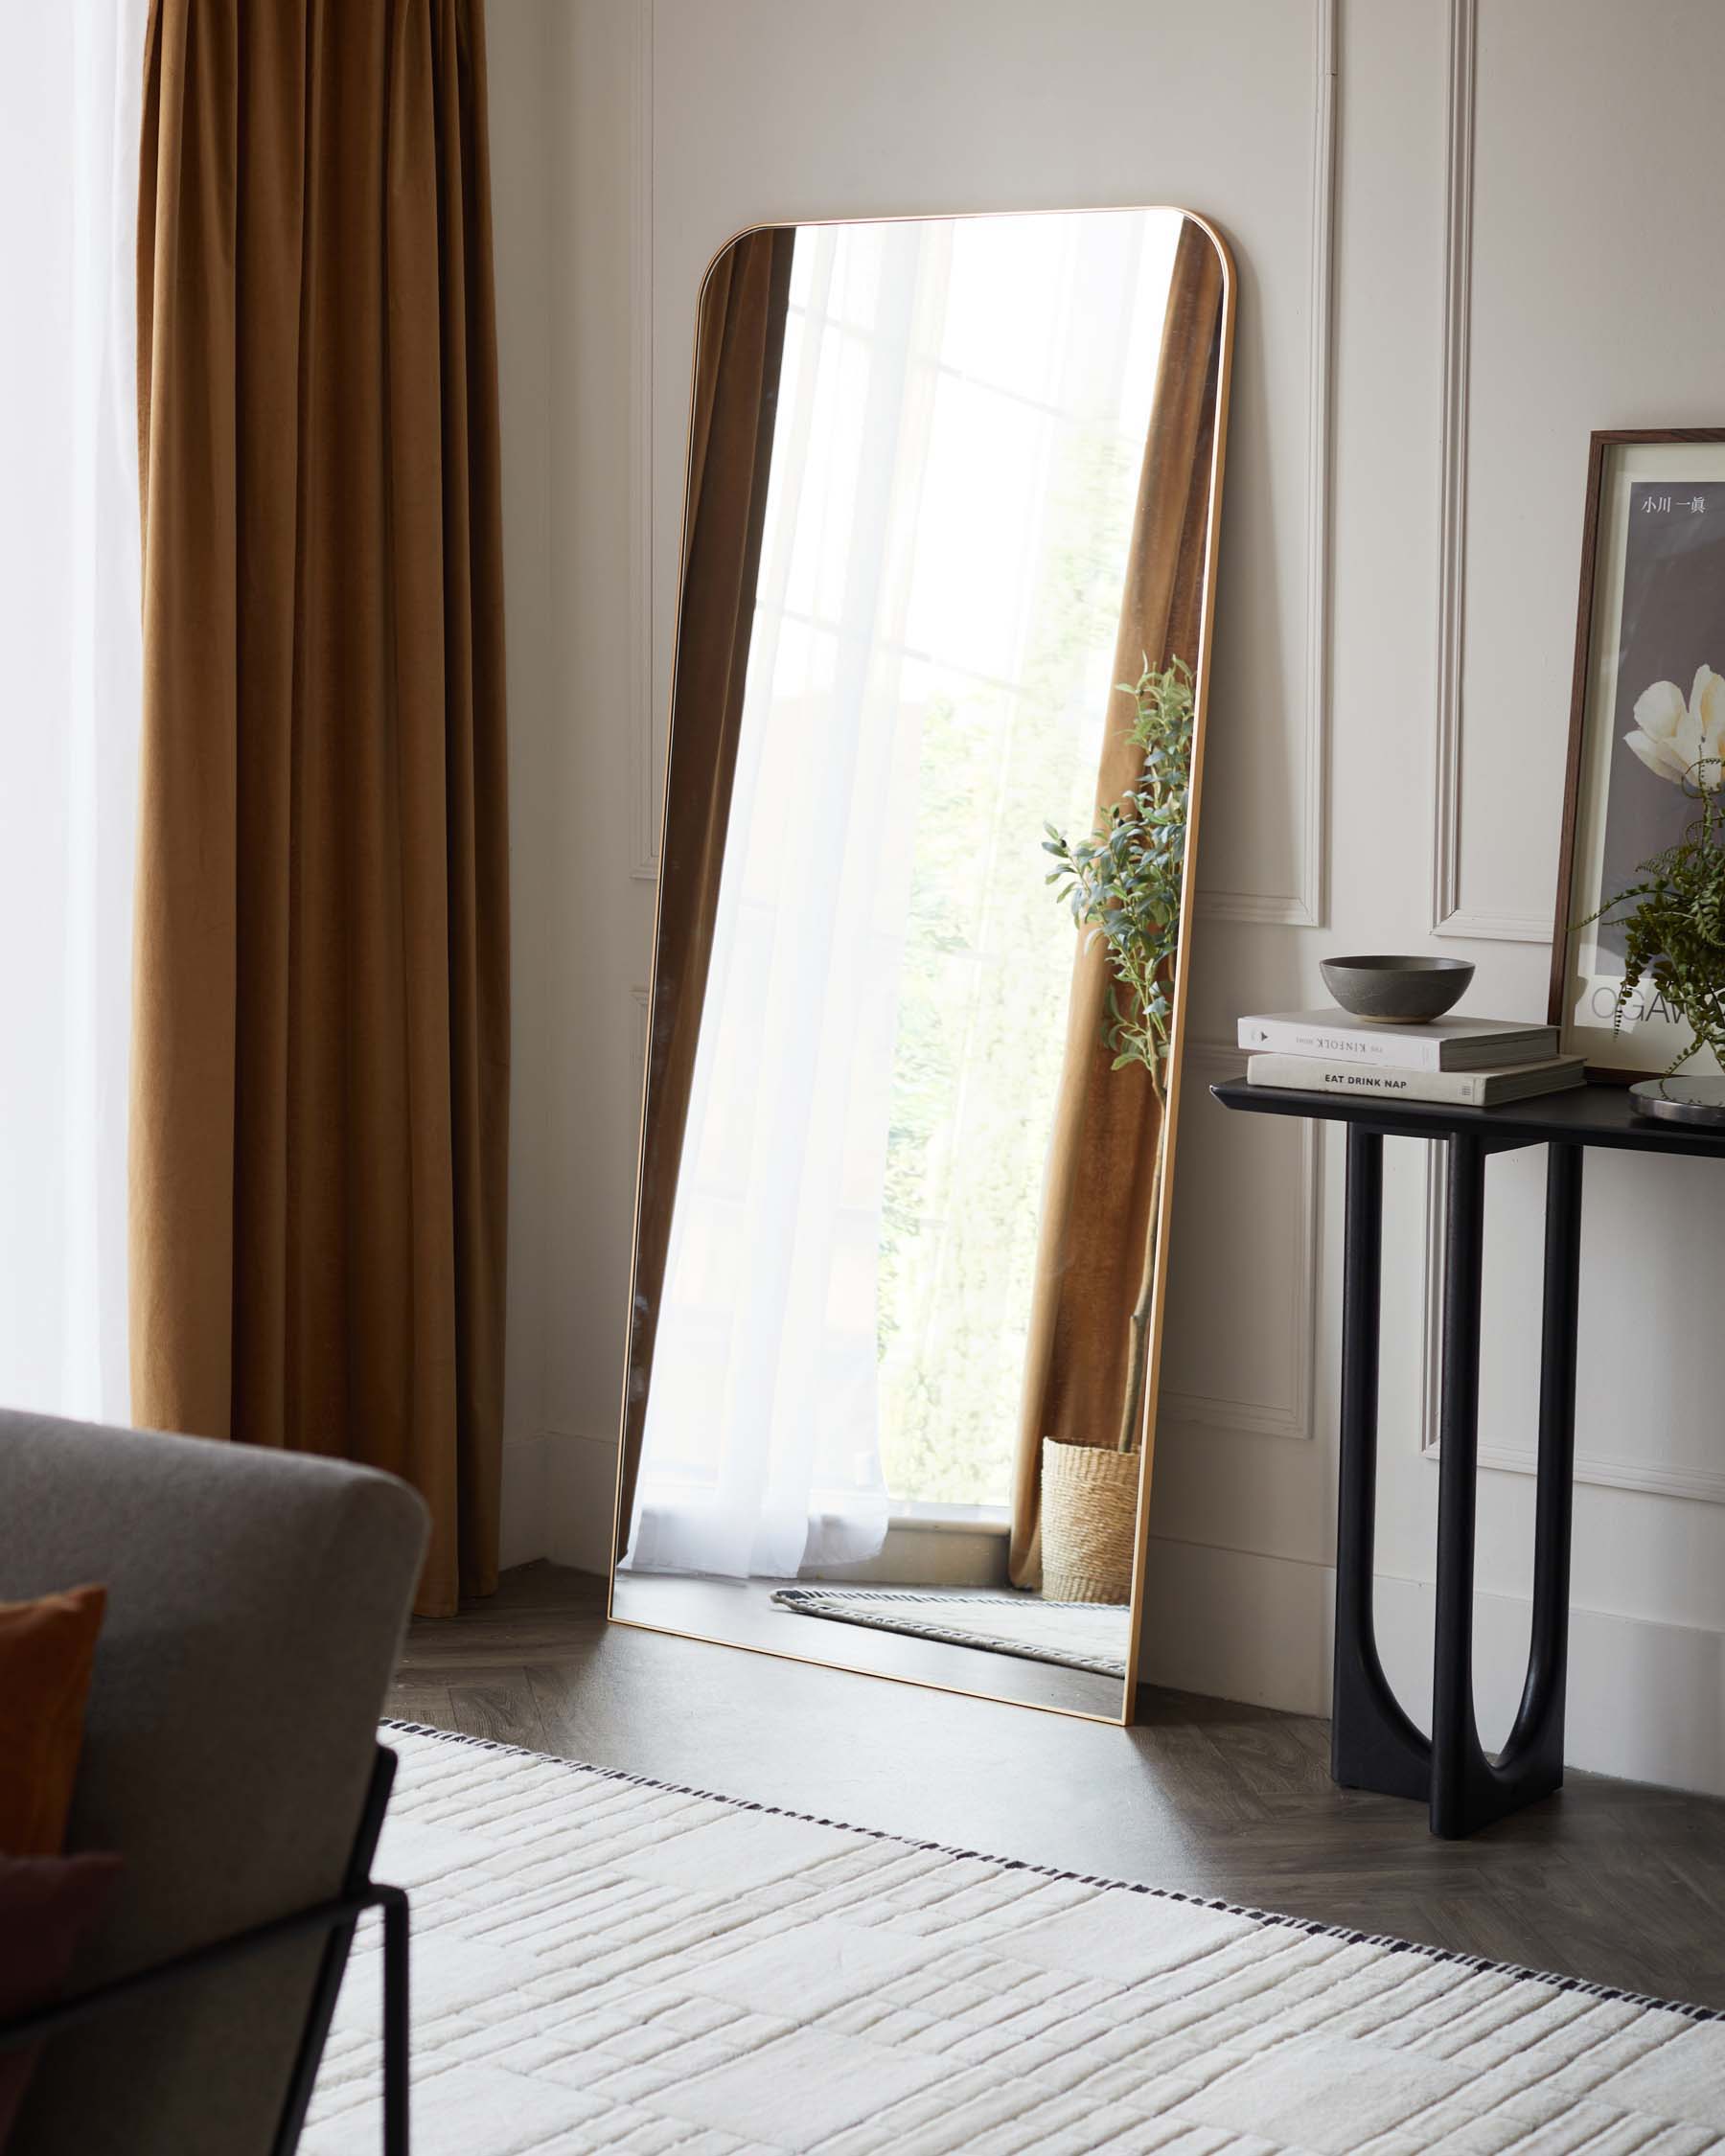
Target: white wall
{"x": 1405, "y": 478}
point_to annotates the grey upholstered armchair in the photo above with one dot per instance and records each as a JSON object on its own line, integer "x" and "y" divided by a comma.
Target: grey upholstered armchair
{"x": 256, "y": 1601}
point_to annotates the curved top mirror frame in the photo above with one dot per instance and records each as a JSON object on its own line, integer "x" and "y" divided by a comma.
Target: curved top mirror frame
{"x": 674, "y": 1012}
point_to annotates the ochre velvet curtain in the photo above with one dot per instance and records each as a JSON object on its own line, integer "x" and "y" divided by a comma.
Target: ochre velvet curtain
{"x": 319, "y": 1115}
{"x": 739, "y": 348}
{"x": 1102, "y": 1152}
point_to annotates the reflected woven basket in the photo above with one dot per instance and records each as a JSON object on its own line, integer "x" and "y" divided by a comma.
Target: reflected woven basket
{"x": 1089, "y": 1521}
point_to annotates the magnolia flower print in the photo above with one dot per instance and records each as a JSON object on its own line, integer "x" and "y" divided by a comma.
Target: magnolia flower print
{"x": 1683, "y": 742}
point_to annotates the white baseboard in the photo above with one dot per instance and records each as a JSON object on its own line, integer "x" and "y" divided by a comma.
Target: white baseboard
{"x": 558, "y": 1490}
{"x": 581, "y": 1500}
{"x": 1235, "y": 1625}
{"x": 929, "y": 1553}
{"x": 1647, "y": 1701}
{"x": 559, "y": 1493}
{"x": 523, "y": 1531}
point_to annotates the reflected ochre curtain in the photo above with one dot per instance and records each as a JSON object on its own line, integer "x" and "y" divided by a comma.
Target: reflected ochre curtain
{"x": 1102, "y": 1151}
{"x": 319, "y": 1116}
{"x": 739, "y": 350}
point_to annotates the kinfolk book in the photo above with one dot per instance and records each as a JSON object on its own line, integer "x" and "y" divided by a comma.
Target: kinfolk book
{"x": 1451, "y": 1043}
{"x": 1454, "y": 1088}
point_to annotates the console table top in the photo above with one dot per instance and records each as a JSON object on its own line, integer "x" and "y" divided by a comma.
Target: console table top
{"x": 1583, "y": 1116}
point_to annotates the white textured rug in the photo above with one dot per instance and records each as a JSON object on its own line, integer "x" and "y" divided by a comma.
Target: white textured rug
{"x": 602, "y": 1963}
{"x": 1077, "y": 1635}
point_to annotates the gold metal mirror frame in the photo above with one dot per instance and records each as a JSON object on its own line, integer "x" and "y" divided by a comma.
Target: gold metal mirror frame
{"x": 1176, "y": 1058}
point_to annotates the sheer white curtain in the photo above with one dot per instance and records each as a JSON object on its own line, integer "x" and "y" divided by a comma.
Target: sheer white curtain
{"x": 761, "y": 1450}
{"x": 69, "y": 657}
{"x": 961, "y": 424}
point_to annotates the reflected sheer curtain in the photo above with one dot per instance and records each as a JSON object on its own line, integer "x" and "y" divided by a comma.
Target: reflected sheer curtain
{"x": 1102, "y": 1153}
{"x": 69, "y": 107}
{"x": 761, "y": 1445}
{"x": 739, "y": 353}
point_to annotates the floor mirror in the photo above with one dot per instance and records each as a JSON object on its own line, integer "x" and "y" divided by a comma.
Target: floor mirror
{"x": 913, "y": 1060}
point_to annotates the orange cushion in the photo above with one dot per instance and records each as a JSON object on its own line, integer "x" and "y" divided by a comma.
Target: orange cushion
{"x": 47, "y": 1650}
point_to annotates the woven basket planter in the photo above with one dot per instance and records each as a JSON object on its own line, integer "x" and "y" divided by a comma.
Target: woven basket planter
{"x": 1089, "y": 1521}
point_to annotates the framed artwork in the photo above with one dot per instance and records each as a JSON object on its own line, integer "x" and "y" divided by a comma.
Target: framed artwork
{"x": 1646, "y": 722}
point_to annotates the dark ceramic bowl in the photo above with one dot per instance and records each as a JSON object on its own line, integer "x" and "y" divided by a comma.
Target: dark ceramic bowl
{"x": 1397, "y": 991}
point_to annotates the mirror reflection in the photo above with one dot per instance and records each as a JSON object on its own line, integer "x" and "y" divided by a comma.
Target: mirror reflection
{"x": 912, "y": 1069}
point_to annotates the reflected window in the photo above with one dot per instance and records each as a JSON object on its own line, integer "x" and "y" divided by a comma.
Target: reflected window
{"x": 960, "y": 423}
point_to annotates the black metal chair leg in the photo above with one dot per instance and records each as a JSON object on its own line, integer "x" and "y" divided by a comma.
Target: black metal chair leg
{"x": 396, "y": 2026}
{"x": 328, "y": 1988}
{"x": 1374, "y": 1745}
{"x": 333, "y": 1921}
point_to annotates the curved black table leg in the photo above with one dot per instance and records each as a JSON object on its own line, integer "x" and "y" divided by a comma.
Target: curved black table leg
{"x": 1374, "y": 1745}
{"x": 1538, "y": 1731}
{"x": 1457, "y": 1763}
{"x": 1468, "y": 1791}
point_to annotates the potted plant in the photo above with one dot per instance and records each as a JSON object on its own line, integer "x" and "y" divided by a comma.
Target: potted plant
{"x": 1673, "y": 920}
{"x": 1122, "y": 887}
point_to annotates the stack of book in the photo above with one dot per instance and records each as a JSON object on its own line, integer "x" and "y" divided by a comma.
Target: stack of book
{"x": 1464, "y": 1063}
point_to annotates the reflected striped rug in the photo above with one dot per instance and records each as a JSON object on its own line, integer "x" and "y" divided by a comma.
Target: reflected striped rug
{"x": 606, "y": 1963}
{"x": 1088, "y": 1636}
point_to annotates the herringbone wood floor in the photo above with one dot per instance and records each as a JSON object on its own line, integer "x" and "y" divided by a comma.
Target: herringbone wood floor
{"x": 1610, "y": 1881}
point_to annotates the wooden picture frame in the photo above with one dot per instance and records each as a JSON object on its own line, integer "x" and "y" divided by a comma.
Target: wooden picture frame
{"x": 1631, "y": 548}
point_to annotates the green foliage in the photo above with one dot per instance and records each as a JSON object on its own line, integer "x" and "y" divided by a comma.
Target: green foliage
{"x": 982, "y": 998}
{"x": 1122, "y": 883}
{"x": 1675, "y": 930}
{"x": 1122, "y": 887}
{"x": 975, "y": 1071}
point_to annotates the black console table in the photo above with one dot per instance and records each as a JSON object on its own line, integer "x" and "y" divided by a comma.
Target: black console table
{"x": 1374, "y": 1745}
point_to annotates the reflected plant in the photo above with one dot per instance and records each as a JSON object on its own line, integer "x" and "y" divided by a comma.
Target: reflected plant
{"x": 986, "y": 977}
{"x": 1674, "y": 922}
{"x": 1122, "y": 886}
